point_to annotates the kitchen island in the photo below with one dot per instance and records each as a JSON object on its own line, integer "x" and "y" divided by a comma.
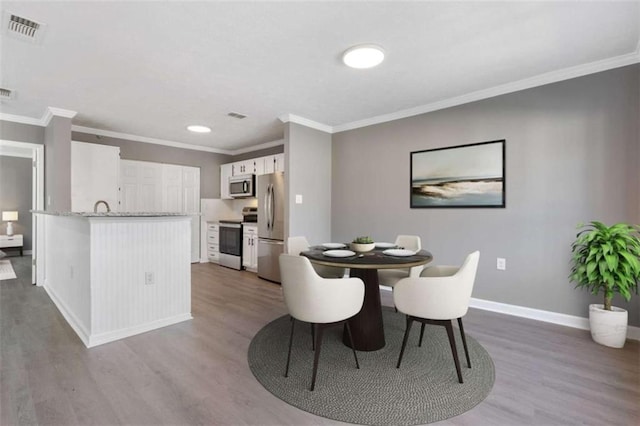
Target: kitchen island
{"x": 114, "y": 275}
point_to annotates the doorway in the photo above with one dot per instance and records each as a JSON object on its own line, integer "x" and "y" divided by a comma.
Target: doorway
{"x": 34, "y": 152}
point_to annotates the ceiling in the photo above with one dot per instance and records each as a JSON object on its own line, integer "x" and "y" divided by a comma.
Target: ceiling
{"x": 151, "y": 69}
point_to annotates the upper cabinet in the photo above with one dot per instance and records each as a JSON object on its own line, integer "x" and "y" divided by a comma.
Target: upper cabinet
{"x": 274, "y": 163}
{"x": 95, "y": 171}
{"x": 226, "y": 171}
{"x": 256, "y": 166}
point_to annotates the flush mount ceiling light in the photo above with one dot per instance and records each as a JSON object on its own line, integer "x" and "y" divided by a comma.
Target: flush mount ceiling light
{"x": 363, "y": 56}
{"x": 198, "y": 129}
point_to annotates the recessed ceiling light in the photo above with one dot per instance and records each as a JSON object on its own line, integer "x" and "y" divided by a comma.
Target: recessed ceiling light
{"x": 363, "y": 56}
{"x": 198, "y": 129}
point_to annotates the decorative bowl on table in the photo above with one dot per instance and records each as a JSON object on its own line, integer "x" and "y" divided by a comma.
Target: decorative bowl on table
{"x": 362, "y": 244}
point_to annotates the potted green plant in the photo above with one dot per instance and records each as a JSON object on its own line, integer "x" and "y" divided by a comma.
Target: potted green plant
{"x": 363, "y": 244}
{"x": 606, "y": 259}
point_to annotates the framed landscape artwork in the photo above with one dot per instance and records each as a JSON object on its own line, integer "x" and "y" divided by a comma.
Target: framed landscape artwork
{"x": 460, "y": 176}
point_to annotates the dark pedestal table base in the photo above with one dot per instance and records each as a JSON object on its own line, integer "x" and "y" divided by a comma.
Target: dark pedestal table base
{"x": 366, "y": 326}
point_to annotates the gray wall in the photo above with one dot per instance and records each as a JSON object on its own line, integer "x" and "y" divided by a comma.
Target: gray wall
{"x": 208, "y": 162}
{"x": 572, "y": 155}
{"x": 11, "y": 131}
{"x": 15, "y": 194}
{"x": 57, "y": 169}
{"x": 278, "y": 149}
{"x": 308, "y": 173}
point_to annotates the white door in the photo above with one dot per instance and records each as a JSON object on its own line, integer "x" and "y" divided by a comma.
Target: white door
{"x": 140, "y": 186}
{"x": 149, "y": 187}
{"x": 128, "y": 186}
{"x": 172, "y": 188}
{"x": 191, "y": 204}
{"x": 95, "y": 173}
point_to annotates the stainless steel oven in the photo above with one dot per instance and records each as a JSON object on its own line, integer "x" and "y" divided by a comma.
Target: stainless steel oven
{"x": 230, "y": 244}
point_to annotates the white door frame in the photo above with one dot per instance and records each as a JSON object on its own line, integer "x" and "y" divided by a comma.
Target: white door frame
{"x": 37, "y": 203}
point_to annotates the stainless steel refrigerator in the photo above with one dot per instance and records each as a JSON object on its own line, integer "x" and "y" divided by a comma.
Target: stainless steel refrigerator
{"x": 270, "y": 225}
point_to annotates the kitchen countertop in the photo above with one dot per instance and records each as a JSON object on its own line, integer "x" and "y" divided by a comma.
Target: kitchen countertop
{"x": 113, "y": 214}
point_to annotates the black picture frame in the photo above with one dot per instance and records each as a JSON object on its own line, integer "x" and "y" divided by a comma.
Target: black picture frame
{"x": 461, "y": 176}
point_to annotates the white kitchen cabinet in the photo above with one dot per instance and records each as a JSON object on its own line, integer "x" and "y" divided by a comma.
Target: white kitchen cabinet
{"x": 274, "y": 163}
{"x": 95, "y": 171}
{"x": 250, "y": 247}
{"x": 242, "y": 167}
{"x": 225, "y": 173}
{"x": 253, "y": 166}
{"x": 213, "y": 242}
{"x": 256, "y": 166}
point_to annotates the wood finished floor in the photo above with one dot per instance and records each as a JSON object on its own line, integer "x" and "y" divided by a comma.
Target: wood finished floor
{"x": 196, "y": 372}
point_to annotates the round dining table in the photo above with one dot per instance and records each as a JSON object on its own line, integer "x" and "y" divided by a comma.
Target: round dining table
{"x": 367, "y": 327}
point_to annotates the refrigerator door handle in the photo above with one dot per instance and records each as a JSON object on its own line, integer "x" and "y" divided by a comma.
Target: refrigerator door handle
{"x": 272, "y": 206}
{"x": 272, "y": 242}
{"x": 266, "y": 206}
{"x": 270, "y": 213}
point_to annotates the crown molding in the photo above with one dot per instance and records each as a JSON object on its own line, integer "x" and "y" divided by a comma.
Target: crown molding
{"x": 290, "y": 118}
{"x": 144, "y": 139}
{"x": 528, "y": 83}
{"x": 258, "y": 147}
{"x": 20, "y": 119}
{"x": 42, "y": 121}
{"x": 56, "y": 112}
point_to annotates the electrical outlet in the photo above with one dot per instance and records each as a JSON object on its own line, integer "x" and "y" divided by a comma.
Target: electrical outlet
{"x": 148, "y": 278}
{"x": 298, "y": 199}
{"x": 501, "y": 264}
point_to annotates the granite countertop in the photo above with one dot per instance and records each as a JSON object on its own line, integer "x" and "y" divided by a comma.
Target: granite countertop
{"x": 114, "y": 214}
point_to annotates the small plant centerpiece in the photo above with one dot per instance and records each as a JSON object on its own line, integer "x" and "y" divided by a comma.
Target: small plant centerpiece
{"x": 606, "y": 259}
{"x": 363, "y": 244}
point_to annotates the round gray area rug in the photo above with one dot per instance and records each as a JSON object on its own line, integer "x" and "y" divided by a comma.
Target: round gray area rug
{"x": 424, "y": 390}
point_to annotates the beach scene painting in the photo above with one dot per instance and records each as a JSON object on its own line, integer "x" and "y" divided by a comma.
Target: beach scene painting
{"x": 460, "y": 176}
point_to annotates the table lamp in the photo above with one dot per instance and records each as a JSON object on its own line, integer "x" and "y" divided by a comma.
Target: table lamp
{"x": 9, "y": 217}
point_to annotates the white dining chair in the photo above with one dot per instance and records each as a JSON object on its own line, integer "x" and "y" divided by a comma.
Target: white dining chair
{"x": 390, "y": 277}
{"x": 322, "y": 302}
{"x": 296, "y": 245}
{"x": 439, "y": 295}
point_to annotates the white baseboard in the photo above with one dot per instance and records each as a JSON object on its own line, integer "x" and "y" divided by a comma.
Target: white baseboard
{"x": 110, "y": 336}
{"x": 573, "y": 321}
{"x": 99, "y": 339}
{"x": 72, "y": 320}
{"x": 540, "y": 315}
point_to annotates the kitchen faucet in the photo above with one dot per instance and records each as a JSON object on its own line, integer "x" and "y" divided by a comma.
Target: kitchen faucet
{"x": 95, "y": 206}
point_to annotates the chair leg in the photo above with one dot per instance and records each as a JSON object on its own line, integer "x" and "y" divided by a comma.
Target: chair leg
{"x": 452, "y": 342}
{"x": 286, "y": 371}
{"x": 404, "y": 341}
{"x": 313, "y": 338}
{"x": 464, "y": 342}
{"x": 421, "y": 334}
{"x": 351, "y": 343}
{"x": 316, "y": 358}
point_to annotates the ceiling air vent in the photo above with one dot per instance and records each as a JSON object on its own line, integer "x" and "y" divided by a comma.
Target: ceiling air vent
{"x": 5, "y": 94}
{"x": 22, "y": 28}
{"x": 237, "y": 115}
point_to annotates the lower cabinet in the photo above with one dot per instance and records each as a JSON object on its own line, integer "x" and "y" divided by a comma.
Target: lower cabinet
{"x": 213, "y": 247}
{"x": 250, "y": 248}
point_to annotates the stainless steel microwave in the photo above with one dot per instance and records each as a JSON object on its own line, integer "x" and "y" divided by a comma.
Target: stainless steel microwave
{"x": 242, "y": 186}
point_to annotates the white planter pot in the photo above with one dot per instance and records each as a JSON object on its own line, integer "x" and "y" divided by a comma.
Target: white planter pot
{"x": 609, "y": 328}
